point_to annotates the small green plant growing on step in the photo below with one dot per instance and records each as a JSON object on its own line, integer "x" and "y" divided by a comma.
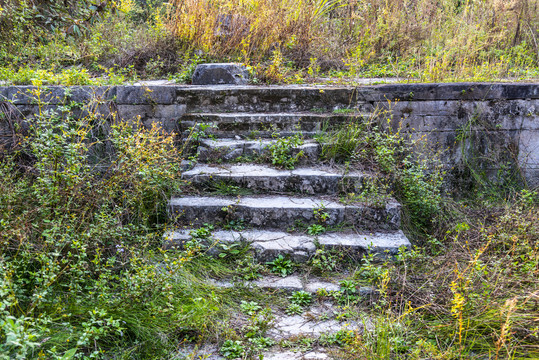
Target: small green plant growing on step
{"x": 236, "y": 225}
{"x": 250, "y": 307}
{"x": 229, "y": 250}
{"x": 224, "y": 188}
{"x": 324, "y": 260}
{"x": 340, "y": 338}
{"x": 232, "y": 349}
{"x": 316, "y": 229}
{"x": 258, "y": 324}
{"x": 294, "y": 309}
{"x": 302, "y": 298}
{"x": 248, "y": 269}
{"x": 344, "y": 111}
{"x": 369, "y": 270}
{"x": 281, "y": 266}
{"x": 320, "y": 214}
{"x": 281, "y": 151}
{"x": 348, "y": 287}
{"x": 200, "y": 131}
{"x": 202, "y": 232}
{"x": 374, "y": 191}
{"x": 262, "y": 342}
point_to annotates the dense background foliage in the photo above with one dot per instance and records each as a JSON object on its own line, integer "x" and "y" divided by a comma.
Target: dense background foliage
{"x": 282, "y": 40}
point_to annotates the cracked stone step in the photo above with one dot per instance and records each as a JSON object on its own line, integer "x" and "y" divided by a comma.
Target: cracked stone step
{"x": 267, "y": 244}
{"x": 265, "y": 124}
{"x": 275, "y": 99}
{"x": 296, "y": 325}
{"x": 293, "y": 283}
{"x": 281, "y": 212}
{"x": 230, "y": 149}
{"x": 264, "y": 178}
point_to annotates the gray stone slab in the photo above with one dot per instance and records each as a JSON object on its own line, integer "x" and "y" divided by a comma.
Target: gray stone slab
{"x": 314, "y": 286}
{"x": 282, "y": 355}
{"x": 268, "y": 179}
{"x": 220, "y": 74}
{"x": 297, "y": 325}
{"x": 175, "y": 111}
{"x": 268, "y": 245}
{"x": 314, "y": 355}
{"x": 289, "y": 283}
{"x": 229, "y": 149}
{"x": 382, "y": 243}
{"x": 151, "y": 95}
{"x": 266, "y": 124}
{"x": 130, "y": 112}
{"x": 281, "y": 211}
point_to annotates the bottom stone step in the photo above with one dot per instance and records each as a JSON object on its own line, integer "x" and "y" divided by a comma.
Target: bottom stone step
{"x": 268, "y": 245}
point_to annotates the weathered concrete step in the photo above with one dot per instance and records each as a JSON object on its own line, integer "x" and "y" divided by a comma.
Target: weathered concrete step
{"x": 253, "y": 135}
{"x": 282, "y": 212}
{"x": 270, "y": 98}
{"x": 265, "y": 124}
{"x": 264, "y": 178}
{"x": 268, "y": 244}
{"x": 230, "y": 149}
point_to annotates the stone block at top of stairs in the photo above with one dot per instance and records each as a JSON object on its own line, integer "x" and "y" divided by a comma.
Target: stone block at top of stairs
{"x": 261, "y": 178}
{"x": 281, "y": 212}
{"x": 221, "y": 74}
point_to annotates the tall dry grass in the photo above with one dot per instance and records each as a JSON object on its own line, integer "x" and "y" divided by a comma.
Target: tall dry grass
{"x": 429, "y": 35}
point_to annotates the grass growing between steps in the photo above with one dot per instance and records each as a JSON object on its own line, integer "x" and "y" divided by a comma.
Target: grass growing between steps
{"x": 369, "y": 144}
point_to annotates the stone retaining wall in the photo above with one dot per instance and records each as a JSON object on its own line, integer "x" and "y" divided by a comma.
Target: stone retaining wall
{"x": 483, "y": 127}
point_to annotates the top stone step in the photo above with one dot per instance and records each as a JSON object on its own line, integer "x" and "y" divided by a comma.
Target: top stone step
{"x": 242, "y": 99}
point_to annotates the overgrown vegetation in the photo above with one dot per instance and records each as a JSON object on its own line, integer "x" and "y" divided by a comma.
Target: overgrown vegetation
{"x": 369, "y": 144}
{"x": 82, "y": 199}
{"x": 281, "y": 41}
{"x": 84, "y": 273}
{"x": 81, "y": 275}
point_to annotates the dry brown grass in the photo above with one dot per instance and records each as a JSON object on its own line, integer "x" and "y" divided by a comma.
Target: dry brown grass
{"x": 432, "y": 35}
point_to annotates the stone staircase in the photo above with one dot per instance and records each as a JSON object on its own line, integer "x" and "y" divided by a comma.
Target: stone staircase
{"x": 247, "y": 200}
{"x": 278, "y": 205}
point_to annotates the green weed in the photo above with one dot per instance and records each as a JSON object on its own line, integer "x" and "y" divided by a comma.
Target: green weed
{"x": 281, "y": 266}
{"x": 301, "y": 298}
{"x": 281, "y": 152}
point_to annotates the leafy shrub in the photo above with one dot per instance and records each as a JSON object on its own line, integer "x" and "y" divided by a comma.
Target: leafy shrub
{"x": 81, "y": 271}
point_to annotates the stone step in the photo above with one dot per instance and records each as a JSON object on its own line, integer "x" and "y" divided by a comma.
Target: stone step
{"x": 281, "y": 212}
{"x": 289, "y": 98}
{"x": 230, "y": 149}
{"x": 256, "y": 125}
{"x": 269, "y": 244}
{"x": 262, "y": 178}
